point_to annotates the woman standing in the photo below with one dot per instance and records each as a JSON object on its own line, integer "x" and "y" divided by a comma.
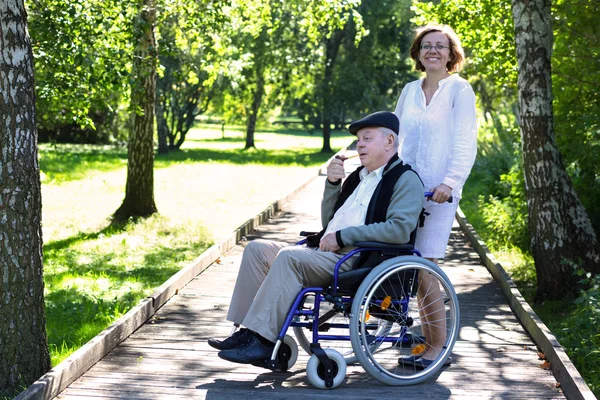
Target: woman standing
{"x": 438, "y": 138}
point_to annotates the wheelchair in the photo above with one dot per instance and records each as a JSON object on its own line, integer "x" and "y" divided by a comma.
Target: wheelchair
{"x": 372, "y": 316}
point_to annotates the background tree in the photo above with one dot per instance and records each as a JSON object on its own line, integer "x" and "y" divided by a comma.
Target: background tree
{"x": 271, "y": 43}
{"x": 139, "y": 190}
{"x": 190, "y": 63}
{"x": 368, "y": 71}
{"x": 23, "y": 344}
{"x": 559, "y": 225}
{"x": 332, "y": 46}
{"x": 82, "y": 53}
{"x": 370, "y": 75}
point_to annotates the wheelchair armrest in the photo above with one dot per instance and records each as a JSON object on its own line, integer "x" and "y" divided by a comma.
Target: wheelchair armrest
{"x": 399, "y": 248}
{"x": 305, "y": 233}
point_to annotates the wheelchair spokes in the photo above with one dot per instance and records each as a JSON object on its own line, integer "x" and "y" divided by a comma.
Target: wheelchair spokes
{"x": 433, "y": 317}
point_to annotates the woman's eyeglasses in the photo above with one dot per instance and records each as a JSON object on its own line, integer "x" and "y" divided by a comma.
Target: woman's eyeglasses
{"x": 438, "y": 46}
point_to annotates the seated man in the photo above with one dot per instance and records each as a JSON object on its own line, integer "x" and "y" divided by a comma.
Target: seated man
{"x": 272, "y": 274}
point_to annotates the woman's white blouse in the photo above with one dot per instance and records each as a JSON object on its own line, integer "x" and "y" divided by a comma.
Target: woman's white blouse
{"x": 439, "y": 140}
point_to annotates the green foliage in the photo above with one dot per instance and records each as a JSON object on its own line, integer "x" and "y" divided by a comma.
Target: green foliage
{"x": 82, "y": 58}
{"x": 367, "y": 76}
{"x": 485, "y": 28}
{"x": 505, "y": 215}
{"x": 370, "y": 76}
{"x": 575, "y": 81}
{"x": 270, "y": 47}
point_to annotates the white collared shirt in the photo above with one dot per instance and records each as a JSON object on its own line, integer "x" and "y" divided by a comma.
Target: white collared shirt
{"x": 354, "y": 210}
{"x": 439, "y": 140}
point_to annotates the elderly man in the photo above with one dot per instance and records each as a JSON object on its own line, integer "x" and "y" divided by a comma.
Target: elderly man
{"x": 380, "y": 201}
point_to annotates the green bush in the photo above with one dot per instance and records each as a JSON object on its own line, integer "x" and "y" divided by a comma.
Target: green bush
{"x": 505, "y": 215}
{"x": 579, "y": 333}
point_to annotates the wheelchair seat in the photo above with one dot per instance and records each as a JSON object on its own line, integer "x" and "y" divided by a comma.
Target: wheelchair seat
{"x": 348, "y": 282}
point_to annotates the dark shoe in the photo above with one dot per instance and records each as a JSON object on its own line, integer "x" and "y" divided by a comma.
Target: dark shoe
{"x": 238, "y": 338}
{"x": 408, "y": 360}
{"x": 422, "y": 363}
{"x": 253, "y": 351}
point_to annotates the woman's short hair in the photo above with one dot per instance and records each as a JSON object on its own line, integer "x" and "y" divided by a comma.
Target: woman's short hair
{"x": 457, "y": 54}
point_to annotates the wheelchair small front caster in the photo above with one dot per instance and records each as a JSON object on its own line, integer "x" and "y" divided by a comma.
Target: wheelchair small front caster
{"x": 316, "y": 373}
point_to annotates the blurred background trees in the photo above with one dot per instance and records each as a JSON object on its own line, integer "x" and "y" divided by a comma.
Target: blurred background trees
{"x": 319, "y": 64}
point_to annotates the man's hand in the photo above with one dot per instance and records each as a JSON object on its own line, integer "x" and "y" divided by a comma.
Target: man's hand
{"x": 329, "y": 243}
{"x": 441, "y": 193}
{"x": 335, "y": 169}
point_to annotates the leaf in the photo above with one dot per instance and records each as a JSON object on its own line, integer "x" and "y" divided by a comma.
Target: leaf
{"x": 545, "y": 365}
{"x": 541, "y": 355}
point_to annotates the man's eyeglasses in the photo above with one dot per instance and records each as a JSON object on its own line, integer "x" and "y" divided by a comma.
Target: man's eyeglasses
{"x": 438, "y": 46}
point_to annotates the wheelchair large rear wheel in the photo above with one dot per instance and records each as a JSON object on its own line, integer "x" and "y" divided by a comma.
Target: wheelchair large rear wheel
{"x": 389, "y": 292}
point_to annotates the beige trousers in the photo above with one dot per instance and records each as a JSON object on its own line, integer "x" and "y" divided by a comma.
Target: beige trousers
{"x": 271, "y": 276}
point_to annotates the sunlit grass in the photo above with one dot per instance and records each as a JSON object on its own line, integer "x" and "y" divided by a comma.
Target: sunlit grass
{"x": 204, "y": 143}
{"x": 95, "y": 273}
{"x": 93, "y": 280}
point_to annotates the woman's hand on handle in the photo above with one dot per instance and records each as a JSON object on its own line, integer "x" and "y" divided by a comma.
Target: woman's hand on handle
{"x": 441, "y": 193}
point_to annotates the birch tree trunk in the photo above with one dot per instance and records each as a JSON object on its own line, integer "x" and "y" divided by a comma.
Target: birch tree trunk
{"x": 560, "y": 228}
{"x": 139, "y": 191}
{"x": 23, "y": 344}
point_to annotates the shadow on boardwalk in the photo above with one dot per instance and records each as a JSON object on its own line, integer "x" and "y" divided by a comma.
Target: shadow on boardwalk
{"x": 168, "y": 357}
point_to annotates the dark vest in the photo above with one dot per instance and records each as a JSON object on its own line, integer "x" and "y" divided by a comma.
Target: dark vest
{"x": 378, "y": 206}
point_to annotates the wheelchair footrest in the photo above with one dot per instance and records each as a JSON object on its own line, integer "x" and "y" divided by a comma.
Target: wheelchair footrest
{"x": 281, "y": 361}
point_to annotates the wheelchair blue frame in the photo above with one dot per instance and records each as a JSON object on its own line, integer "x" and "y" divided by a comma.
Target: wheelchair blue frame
{"x": 296, "y": 311}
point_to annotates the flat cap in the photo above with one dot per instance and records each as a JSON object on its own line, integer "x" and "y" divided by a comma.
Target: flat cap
{"x": 385, "y": 119}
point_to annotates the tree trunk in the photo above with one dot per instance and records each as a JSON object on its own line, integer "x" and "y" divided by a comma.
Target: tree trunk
{"x": 253, "y": 112}
{"x": 162, "y": 129}
{"x": 259, "y": 89}
{"x": 332, "y": 47}
{"x": 139, "y": 191}
{"x": 24, "y": 353}
{"x": 560, "y": 229}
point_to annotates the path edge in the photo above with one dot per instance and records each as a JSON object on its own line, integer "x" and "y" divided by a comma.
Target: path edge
{"x": 66, "y": 372}
{"x": 571, "y": 382}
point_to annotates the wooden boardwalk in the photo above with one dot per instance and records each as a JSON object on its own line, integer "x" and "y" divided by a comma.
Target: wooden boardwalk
{"x": 168, "y": 357}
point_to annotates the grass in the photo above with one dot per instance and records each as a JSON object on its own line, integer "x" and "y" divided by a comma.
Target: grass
{"x": 95, "y": 273}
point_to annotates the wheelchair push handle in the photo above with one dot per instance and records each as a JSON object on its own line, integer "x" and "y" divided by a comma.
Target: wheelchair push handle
{"x": 430, "y": 194}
